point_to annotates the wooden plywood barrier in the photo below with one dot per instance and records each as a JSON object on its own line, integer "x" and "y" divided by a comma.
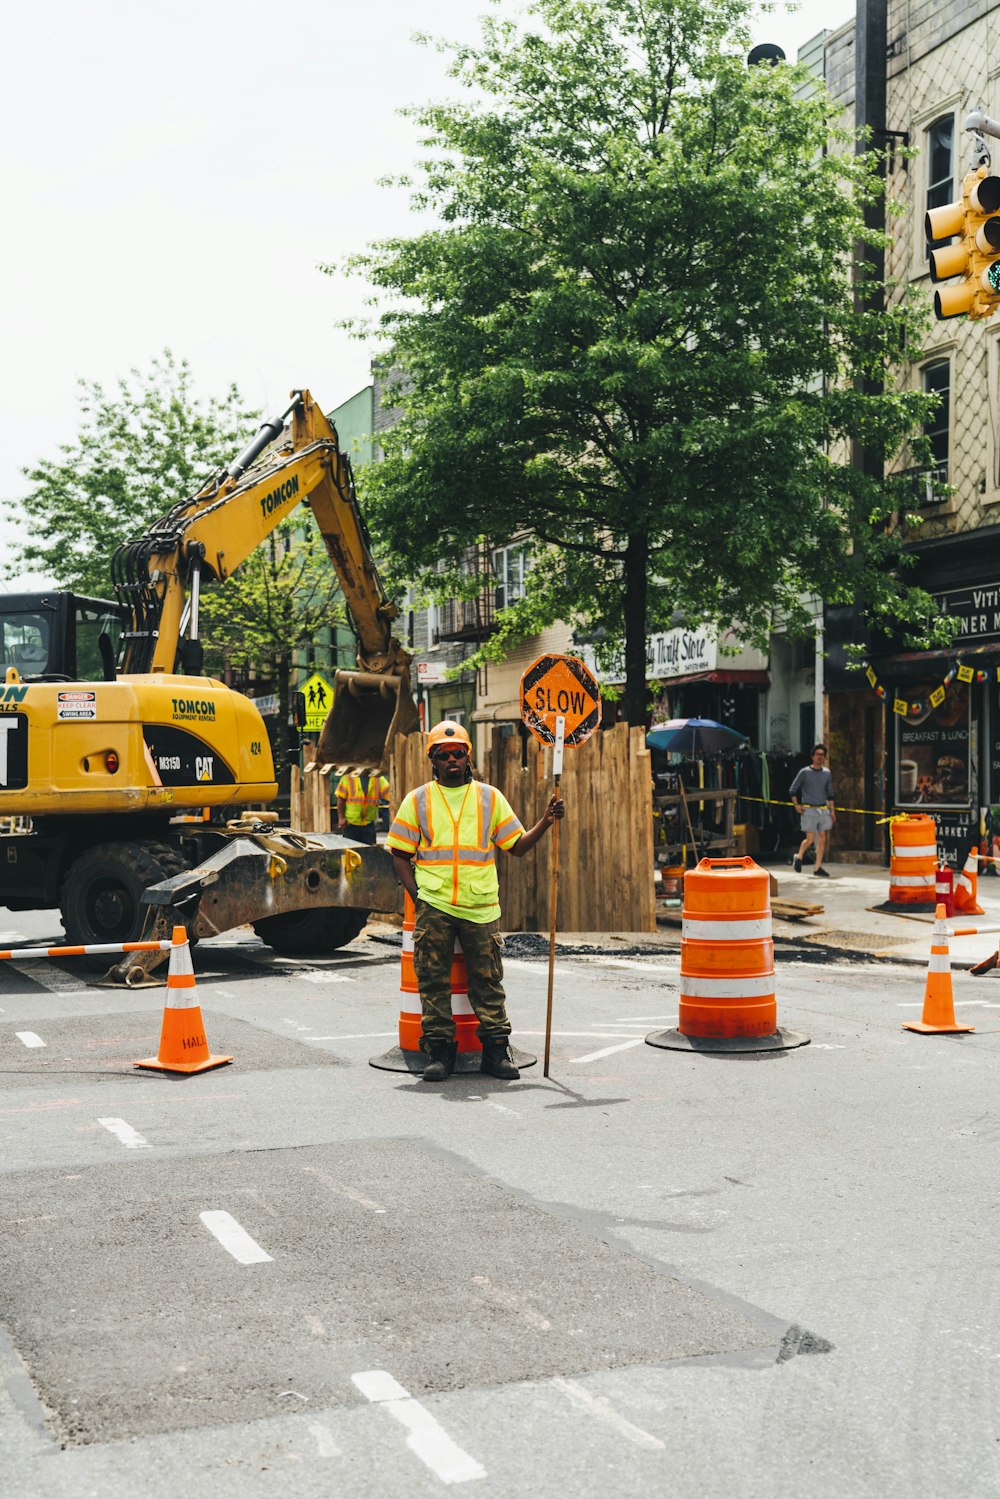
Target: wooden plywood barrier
{"x": 606, "y": 842}
{"x": 310, "y": 798}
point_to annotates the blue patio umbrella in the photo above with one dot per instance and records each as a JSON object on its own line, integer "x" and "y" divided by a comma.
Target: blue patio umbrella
{"x": 694, "y": 736}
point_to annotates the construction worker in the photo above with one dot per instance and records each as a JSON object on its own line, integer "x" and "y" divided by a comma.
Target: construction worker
{"x": 444, "y": 841}
{"x": 358, "y": 799}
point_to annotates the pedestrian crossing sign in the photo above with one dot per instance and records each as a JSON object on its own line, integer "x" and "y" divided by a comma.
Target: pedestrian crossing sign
{"x": 318, "y": 694}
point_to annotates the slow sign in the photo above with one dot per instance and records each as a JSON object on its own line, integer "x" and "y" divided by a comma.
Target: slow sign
{"x": 560, "y": 687}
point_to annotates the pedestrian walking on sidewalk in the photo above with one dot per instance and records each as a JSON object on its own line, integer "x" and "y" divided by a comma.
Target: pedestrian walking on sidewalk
{"x": 444, "y": 842}
{"x": 812, "y": 798}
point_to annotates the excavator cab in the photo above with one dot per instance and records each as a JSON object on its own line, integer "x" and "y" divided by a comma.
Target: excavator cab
{"x": 369, "y": 709}
{"x": 58, "y": 636}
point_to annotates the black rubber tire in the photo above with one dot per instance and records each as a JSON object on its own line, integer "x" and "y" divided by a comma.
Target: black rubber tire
{"x": 101, "y": 898}
{"x": 311, "y": 934}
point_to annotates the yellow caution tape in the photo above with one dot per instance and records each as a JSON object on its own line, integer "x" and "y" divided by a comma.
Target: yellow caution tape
{"x": 774, "y": 802}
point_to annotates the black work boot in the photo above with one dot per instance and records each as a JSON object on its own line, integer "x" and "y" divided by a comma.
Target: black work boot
{"x": 497, "y": 1060}
{"x": 442, "y": 1060}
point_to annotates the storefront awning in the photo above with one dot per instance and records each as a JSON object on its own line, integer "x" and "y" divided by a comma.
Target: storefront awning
{"x": 916, "y": 666}
{"x": 724, "y": 678}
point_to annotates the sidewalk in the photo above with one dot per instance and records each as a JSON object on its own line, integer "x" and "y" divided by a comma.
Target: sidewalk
{"x": 849, "y": 924}
{"x": 848, "y": 927}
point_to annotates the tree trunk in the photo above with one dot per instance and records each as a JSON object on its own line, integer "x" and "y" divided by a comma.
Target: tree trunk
{"x": 636, "y": 586}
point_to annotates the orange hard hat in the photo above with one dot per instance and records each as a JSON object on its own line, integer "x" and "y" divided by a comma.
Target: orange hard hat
{"x": 447, "y": 732}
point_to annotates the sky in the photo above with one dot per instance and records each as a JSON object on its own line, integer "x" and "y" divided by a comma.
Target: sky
{"x": 174, "y": 175}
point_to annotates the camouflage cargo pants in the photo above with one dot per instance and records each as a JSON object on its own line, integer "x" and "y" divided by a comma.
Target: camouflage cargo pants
{"x": 434, "y": 934}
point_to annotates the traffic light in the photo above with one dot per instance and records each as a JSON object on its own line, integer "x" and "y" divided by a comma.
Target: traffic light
{"x": 975, "y": 256}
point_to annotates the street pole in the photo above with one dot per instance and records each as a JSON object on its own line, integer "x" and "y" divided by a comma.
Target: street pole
{"x": 557, "y": 764}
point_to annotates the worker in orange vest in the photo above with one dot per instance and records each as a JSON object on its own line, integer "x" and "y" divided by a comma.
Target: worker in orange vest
{"x": 444, "y": 841}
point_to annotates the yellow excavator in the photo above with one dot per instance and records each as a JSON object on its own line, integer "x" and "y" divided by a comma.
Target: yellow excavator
{"x": 111, "y": 736}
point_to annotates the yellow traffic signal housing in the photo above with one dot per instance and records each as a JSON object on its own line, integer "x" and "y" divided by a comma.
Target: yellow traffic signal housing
{"x": 976, "y": 256}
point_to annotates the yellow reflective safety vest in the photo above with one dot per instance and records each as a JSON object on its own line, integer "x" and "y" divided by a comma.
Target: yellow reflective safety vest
{"x": 453, "y": 833}
{"x": 362, "y": 805}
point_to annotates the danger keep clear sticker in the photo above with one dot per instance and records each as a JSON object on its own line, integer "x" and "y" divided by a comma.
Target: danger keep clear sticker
{"x": 77, "y": 704}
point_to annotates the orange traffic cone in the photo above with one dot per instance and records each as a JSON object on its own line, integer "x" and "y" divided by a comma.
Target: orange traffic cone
{"x": 966, "y": 900}
{"x": 939, "y": 1002}
{"x": 183, "y": 1047}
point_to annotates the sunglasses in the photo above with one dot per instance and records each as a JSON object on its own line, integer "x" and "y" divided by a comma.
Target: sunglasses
{"x": 450, "y": 754}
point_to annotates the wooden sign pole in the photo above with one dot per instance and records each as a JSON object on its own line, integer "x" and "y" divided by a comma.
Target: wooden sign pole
{"x": 557, "y": 762}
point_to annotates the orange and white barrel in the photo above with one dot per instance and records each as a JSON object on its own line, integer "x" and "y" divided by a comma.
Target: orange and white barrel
{"x": 410, "y": 1018}
{"x": 913, "y": 862}
{"x": 727, "y": 951}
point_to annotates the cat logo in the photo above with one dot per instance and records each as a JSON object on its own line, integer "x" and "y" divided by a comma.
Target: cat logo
{"x": 204, "y": 767}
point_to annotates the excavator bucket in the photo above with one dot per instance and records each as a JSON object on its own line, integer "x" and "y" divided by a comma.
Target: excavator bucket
{"x": 369, "y": 710}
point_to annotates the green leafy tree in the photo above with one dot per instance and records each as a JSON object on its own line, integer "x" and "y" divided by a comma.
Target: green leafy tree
{"x": 632, "y": 332}
{"x": 277, "y": 603}
{"x": 140, "y": 448}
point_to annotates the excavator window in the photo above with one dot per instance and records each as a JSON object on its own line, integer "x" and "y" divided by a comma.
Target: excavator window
{"x": 92, "y": 621}
{"x": 26, "y": 643}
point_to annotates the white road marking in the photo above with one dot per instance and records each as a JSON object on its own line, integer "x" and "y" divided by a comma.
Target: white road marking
{"x": 234, "y": 1238}
{"x": 55, "y": 979}
{"x": 601, "y": 1407}
{"x": 595, "y": 1056}
{"x": 645, "y": 1020}
{"x": 29, "y": 1038}
{"x": 427, "y": 1439}
{"x": 538, "y": 965}
{"x": 590, "y": 1035}
{"x": 129, "y": 1137}
{"x": 826, "y": 1046}
{"x": 639, "y": 965}
{"x": 340, "y": 1190}
{"x": 329, "y": 978}
{"x": 325, "y": 1444}
{"x": 358, "y": 1036}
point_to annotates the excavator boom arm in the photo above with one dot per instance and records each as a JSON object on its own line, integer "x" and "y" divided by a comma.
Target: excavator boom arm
{"x": 213, "y": 533}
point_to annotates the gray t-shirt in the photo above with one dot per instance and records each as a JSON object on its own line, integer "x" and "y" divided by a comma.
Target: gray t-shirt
{"x": 815, "y": 787}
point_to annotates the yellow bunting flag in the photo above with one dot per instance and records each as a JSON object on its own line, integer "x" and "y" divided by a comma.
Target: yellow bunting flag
{"x": 965, "y": 673}
{"x": 899, "y": 706}
{"x": 937, "y": 697}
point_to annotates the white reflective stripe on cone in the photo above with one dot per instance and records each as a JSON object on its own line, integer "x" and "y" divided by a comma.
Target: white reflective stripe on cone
{"x": 726, "y": 931}
{"x": 939, "y": 962}
{"x": 912, "y": 879}
{"x": 407, "y": 940}
{"x": 964, "y": 882}
{"x": 916, "y": 851}
{"x": 180, "y": 959}
{"x": 732, "y": 988}
{"x": 459, "y": 1006}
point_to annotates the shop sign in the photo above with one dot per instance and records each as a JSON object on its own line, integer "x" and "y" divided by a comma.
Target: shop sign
{"x": 683, "y": 653}
{"x": 976, "y": 609}
{"x": 678, "y": 653}
{"x": 430, "y": 674}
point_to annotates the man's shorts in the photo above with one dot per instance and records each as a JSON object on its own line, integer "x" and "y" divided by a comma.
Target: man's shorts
{"x": 816, "y": 820}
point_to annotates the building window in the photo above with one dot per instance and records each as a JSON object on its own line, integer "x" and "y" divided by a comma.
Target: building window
{"x": 937, "y": 381}
{"x": 940, "y": 167}
{"x": 511, "y": 566}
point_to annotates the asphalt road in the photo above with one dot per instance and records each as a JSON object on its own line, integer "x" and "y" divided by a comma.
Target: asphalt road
{"x": 651, "y": 1274}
